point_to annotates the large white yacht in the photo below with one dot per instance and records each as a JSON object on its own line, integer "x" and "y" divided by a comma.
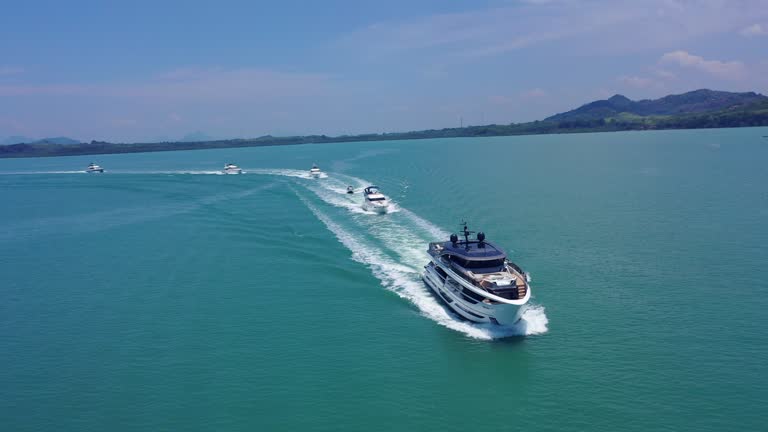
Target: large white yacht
{"x": 476, "y": 280}
{"x": 93, "y": 168}
{"x": 232, "y": 169}
{"x": 374, "y": 201}
{"x": 314, "y": 171}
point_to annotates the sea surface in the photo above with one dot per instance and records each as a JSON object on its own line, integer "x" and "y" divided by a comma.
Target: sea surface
{"x": 162, "y": 296}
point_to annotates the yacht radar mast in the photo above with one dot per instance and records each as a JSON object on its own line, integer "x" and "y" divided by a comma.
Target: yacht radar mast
{"x": 466, "y": 234}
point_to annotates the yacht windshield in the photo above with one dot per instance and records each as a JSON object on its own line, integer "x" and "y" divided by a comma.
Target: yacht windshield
{"x": 488, "y": 265}
{"x": 376, "y": 199}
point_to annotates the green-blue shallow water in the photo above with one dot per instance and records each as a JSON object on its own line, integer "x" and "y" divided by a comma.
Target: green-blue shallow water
{"x": 157, "y": 297}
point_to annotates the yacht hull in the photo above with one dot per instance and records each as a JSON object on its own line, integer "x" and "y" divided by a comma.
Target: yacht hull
{"x": 375, "y": 208}
{"x": 450, "y": 292}
{"x": 238, "y": 171}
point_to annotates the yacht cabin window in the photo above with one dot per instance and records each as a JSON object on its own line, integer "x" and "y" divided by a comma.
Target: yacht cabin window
{"x": 491, "y": 265}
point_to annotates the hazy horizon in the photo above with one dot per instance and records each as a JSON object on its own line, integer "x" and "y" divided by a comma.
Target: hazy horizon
{"x": 148, "y": 72}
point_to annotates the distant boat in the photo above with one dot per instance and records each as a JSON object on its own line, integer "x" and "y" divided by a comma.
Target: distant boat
{"x": 350, "y": 190}
{"x": 232, "y": 169}
{"x": 314, "y": 171}
{"x": 93, "y": 168}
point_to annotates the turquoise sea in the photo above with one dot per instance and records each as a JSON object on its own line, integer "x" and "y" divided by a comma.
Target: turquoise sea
{"x": 160, "y": 296}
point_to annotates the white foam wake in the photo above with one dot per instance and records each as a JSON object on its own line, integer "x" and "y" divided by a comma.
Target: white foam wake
{"x": 107, "y": 219}
{"x": 433, "y": 230}
{"x": 405, "y": 281}
{"x": 334, "y": 192}
{"x": 285, "y": 172}
{"x": 332, "y": 189}
{"x": 166, "y": 172}
{"x": 352, "y": 202}
{"x": 41, "y": 172}
{"x": 121, "y": 172}
{"x": 404, "y": 236}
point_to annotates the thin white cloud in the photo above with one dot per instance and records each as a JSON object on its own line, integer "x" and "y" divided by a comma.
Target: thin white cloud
{"x": 754, "y": 30}
{"x": 616, "y": 26}
{"x": 731, "y": 70}
{"x": 515, "y": 43}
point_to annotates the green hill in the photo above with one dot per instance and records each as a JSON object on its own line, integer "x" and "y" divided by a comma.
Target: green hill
{"x": 698, "y": 101}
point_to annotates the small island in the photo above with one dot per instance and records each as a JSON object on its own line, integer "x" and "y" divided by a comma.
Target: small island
{"x": 697, "y": 109}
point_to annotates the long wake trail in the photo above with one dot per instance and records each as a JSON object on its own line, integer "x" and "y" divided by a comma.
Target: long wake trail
{"x": 107, "y": 219}
{"x": 393, "y": 247}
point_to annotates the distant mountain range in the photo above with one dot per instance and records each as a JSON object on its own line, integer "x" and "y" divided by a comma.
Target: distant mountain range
{"x": 693, "y": 110}
{"x": 17, "y": 139}
{"x": 698, "y": 101}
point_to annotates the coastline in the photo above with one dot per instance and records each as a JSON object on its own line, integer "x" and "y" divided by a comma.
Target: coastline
{"x": 14, "y": 151}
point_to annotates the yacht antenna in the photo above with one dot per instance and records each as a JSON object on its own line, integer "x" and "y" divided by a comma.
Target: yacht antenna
{"x": 466, "y": 233}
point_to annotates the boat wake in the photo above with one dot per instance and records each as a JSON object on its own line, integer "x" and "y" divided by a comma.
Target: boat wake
{"x": 169, "y": 172}
{"x": 338, "y": 196}
{"x": 285, "y": 172}
{"x": 41, "y": 172}
{"x": 118, "y": 171}
{"x": 393, "y": 247}
{"x": 278, "y": 172}
{"x": 181, "y": 172}
{"x": 107, "y": 219}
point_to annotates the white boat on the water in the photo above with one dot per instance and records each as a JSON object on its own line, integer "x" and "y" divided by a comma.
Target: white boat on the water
{"x": 314, "y": 171}
{"x": 374, "y": 201}
{"x": 350, "y": 190}
{"x": 93, "y": 168}
{"x": 232, "y": 169}
{"x": 476, "y": 280}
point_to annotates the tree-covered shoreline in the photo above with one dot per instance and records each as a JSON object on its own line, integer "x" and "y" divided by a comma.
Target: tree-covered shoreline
{"x": 581, "y": 120}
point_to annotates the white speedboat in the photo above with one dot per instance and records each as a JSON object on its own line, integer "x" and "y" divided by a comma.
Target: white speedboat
{"x": 476, "y": 280}
{"x": 314, "y": 171}
{"x": 232, "y": 169}
{"x": 93, "y": 168}
{"x": 350, "y": 190}
{"x": 374, "y": 201}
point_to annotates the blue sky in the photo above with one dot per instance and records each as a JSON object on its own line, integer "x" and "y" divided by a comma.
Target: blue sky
{"x": 150, "y": 70}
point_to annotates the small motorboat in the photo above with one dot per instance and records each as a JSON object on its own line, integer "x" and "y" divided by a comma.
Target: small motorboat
{"x": 350, "y": 190}
{"x": 93, "y": 168}
{"x": 314, "y": 171}
{"x": 232, "y": 169}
